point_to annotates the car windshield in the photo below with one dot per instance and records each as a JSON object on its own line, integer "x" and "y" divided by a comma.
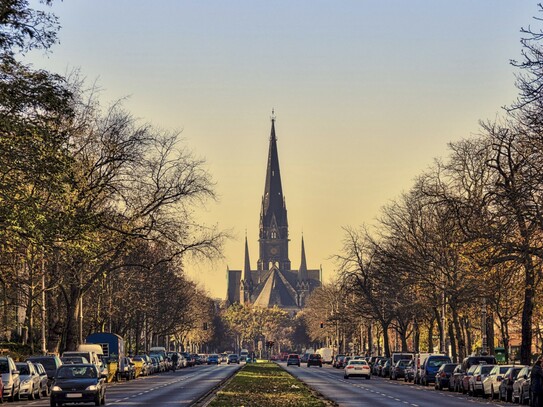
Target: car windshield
{"x": 357, "y": 362}
{"x": 4, "y": 366}
{"x": 66, "y": 372}
{"x": 449, "y": 368}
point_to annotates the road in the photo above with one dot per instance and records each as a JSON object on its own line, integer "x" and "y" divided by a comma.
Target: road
{"x": 180, "y": 388}
{"x": 379, "y": 392}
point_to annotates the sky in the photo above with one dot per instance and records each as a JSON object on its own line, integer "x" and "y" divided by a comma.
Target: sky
{"x": 366, "y": 93}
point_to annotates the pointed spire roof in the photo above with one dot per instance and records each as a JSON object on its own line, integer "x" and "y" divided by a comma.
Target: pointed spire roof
{"x": 302, "y": 273}
{"x": 273, "y": 203}
{"x": 247, "y": 265}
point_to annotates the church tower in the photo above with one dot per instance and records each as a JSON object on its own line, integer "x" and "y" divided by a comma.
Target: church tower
{"x": 273, "y": 282}
{"x": 273, "y": 237}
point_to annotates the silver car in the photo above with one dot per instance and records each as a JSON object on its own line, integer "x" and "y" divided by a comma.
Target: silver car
{"x": 10, "y": 378}
{"x": 30, "y": 380}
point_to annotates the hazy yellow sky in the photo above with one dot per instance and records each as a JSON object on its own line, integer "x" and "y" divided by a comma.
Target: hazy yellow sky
{"x": 367, "y": 93}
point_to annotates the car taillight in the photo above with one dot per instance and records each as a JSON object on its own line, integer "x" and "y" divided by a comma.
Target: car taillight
{"x": 350, "y": 367}
{"x": 478, "y": 378}
{"x": 443, "y": 374}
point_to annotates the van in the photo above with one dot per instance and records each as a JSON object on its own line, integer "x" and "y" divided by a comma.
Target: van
{"x": 90, "y": 355}
{"x": 430, "y": 367}
{"x": 477, "y": 360}
{"x": 419, "y": 360}
{"x": 327, "y": 355}
{"x": 158, "y": 350}
{"x": 399, "y": 356}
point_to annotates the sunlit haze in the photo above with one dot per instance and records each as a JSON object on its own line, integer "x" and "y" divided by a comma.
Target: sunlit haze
{"x": 366, "y": 95}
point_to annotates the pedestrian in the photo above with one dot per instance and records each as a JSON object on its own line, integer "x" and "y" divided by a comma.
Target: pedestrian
{"x": 536, "y": 384}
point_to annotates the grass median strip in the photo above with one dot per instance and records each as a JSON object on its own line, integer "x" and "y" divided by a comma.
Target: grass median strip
{"x": 265, "y": 384}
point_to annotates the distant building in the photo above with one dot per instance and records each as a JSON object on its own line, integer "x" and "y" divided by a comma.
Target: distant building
{"x": 274, "y": 282}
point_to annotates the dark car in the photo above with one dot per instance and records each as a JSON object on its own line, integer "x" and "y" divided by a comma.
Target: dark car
{"x": 293, "y": 359}
{"x": 443, "y": 376}
{"x": 78, "y": 383}
{"x": 505, "y": 390}
{"x": 431, "y": 366}
{"x": 398, "y": 370}
{"x": 337, "y": 361}
{"x": 50, "y": 363}
{"x": 314, "y": 360}
{"x": 385, "y": 368}
{"x": 233, "y": 358}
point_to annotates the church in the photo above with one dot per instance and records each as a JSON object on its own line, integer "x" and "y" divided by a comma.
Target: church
{"x": 274, "y": 282}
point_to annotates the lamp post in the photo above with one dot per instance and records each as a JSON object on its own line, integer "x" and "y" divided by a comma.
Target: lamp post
{"x": 484, "y": 344}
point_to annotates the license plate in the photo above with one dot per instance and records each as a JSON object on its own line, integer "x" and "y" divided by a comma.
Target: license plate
{"x": 74, "y": 395}
{"x": 357, "y": 368}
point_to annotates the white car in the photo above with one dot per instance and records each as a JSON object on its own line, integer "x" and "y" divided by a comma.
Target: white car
{"x": 476, "y": 381}
{"x": 357, "y": 367}
{"x": 491, "y": 383}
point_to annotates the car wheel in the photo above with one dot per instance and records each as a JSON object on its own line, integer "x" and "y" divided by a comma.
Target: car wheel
{"x": 368, "y": 377}
{"x": 17, "y": 396}
{"x": 52, "y": 403}
{"x": 345, "y": 376}
{"x": 104, "y": 399}
{"x": 31, "y": 394}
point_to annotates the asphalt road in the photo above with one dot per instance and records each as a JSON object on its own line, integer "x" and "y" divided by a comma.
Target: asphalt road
{"x": 379, "y": 392}
{"x": 180, "y": 388}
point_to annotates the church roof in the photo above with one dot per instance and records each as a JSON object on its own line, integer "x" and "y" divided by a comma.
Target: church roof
{"x": 276, "y": 290}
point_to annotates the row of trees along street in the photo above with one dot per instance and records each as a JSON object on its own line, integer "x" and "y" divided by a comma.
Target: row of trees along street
{"x": 465, "y": 242}
{"x": 96, "y": 208}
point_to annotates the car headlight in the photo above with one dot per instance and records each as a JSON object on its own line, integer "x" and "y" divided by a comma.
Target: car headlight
{"x": 27, "y": 381}
{"x": 56, "y": 388}
{"x": 91, "y": 388}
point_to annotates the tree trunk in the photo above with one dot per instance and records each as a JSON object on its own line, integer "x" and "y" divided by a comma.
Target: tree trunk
{"x": 72, "y": 314}
{"x": 386, "y": 343}
{"x": 527, "y": 313}
{"x": 416, "y": 336}
{"x": 430, "y": 335}
{"x": 454, "y": 353}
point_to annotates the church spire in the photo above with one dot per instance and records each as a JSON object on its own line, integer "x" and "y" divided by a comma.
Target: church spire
{"x": 247, "y": 265}
{"x": 302, "y": 273}
{"x": 273, "y": 203}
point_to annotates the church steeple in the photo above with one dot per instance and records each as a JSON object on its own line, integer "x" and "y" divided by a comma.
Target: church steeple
{"x": 302, "y": 273}
{"x": 247, "y": 265}
{"x": 273, "y": 235}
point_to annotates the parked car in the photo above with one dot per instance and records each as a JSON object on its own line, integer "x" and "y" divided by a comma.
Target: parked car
{"x": 10, "y": 378}
{"x": 126, "y": 369}
{"x": 385, "y": 368}
{"x": 430, "y": 367}
{"x": 505, "y": 390}
{"x": 78, "y": 383}
{"x": 1, "y": 392}
{"x": 376, "y": 370}
{"x": 44, "y": 380}
{"x": 443, "y": 376}
{"x": 398, "y": 370}
{"x": 293, "y": 359}
{"x": 30, "y": 380}
{"x": 409, "y": 372}
{"x": 521, "y": 387}
{"x": 314, "y": 360}
{"x": 233, "y": 358}
{"x": 476, "y": 381}
{"x": 492, "y": 381}
{"x": 466, "y": 377}
{"x": 357, "y": 367}
{"x": 456, "y": 379}
{"x": 50, "y": 363}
